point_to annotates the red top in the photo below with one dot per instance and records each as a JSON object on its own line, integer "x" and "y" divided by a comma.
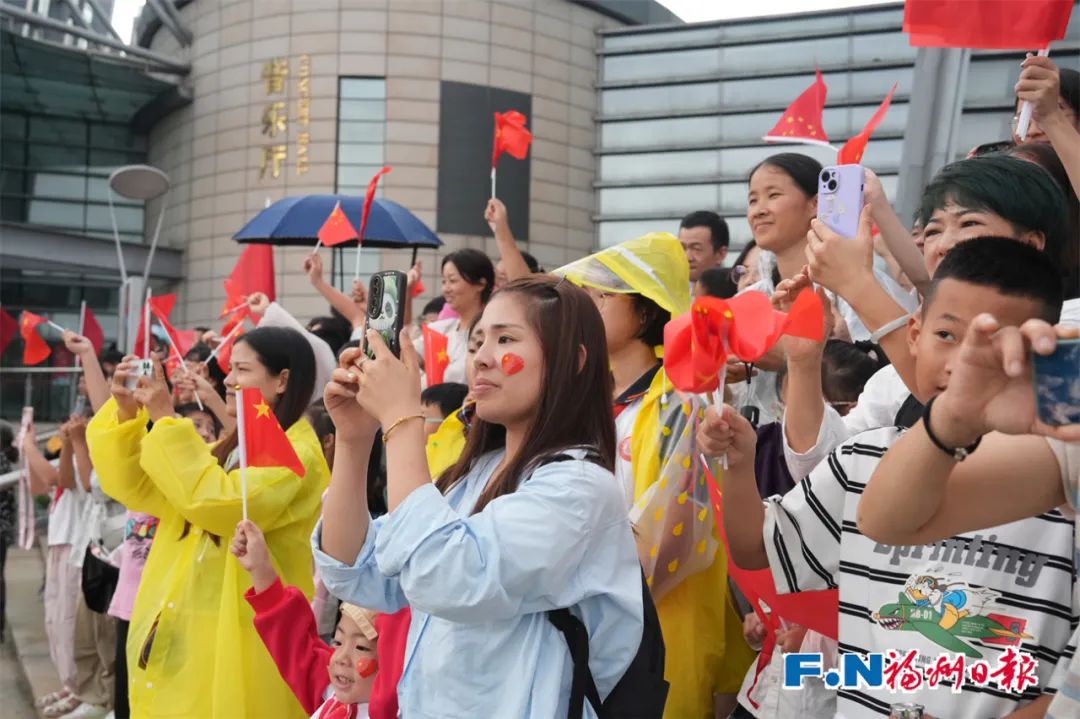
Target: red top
{"x": 286, "y": 624}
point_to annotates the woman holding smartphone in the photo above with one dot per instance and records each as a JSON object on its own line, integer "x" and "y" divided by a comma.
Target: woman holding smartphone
{"x": 528, "y": 520}
{"x": 192, "y": 646}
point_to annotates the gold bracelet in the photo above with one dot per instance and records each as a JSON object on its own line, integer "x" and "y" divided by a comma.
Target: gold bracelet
{"x": 391, "y": 428}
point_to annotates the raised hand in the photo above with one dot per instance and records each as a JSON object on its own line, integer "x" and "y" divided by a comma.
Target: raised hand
{"x": 249, "y": 548}
{"x": 77, "y": 344}
{"x": 840, "y": 263}
{"x": 495, "y": 215}
{"x": 1039, "y": 84}
{"x": 726, "y": 432}
{"x": 258, "y": 303}
{"x": 314, "y": 268}
{"x": 350, "y": 419}
{"x": 153, "y": 393}
{"x": 389, "y": 388}
{"x": 126, "y": 404}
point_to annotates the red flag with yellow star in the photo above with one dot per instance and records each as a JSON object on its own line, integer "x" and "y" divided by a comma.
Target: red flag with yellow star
{"x": 801, "y": 122}
{"x": 262, "y": 439}
{"x": 852, "y": 151}
{"x": 436, "y": 358}
{"x": 337, "y": 228}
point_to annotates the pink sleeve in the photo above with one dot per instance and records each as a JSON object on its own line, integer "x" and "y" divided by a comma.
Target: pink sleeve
{"x": 286, "y": 625}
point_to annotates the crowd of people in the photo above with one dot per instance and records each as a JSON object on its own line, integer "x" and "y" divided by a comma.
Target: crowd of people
{"x": 534, "y": 536}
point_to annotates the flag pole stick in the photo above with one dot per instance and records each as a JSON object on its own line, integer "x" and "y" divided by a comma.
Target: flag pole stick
{"x": 241, "y": 449}
{"x": 82, "y": 329}
{"x": 224, "y": 340}
{"x": 318, "y": 244}
{"x": 718, "y": 396}
{"x": 146, "y": 326}
{"x": 229, "y": 311}
{"x": 1024, "y": 121}
{"x": 183, "y": 366}
{"x": 493, "y": 181}
{"x": 55, "y": 326}
{"x": 359, "y": 248}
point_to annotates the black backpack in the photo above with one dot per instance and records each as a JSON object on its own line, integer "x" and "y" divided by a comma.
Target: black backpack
{"x": 642, "y": 691}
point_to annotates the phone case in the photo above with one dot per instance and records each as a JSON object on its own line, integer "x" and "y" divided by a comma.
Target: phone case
{"x": 1057, "y": 384}
{"x": 840, "y": 198}
{"x": 386, "y": 309}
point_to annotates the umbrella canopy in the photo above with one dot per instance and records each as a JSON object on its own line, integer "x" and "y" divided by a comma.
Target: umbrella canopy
{"x": 296, "y": 221}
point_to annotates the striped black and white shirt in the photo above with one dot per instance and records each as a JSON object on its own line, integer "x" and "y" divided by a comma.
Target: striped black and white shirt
{"x": 975, "y": 593}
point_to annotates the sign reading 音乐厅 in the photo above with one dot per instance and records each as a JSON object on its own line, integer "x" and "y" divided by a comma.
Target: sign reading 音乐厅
{"x": 275, "y": 117}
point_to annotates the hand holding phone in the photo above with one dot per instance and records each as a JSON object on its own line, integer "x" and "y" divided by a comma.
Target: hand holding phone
{"x": 840, "y": 198}
{"x": 143, "y": 368}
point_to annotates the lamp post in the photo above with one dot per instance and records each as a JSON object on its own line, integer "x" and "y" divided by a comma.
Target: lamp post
{"x": 135, "y": 182}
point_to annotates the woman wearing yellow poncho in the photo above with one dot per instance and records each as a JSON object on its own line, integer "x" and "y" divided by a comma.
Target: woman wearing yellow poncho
{"x": 638, "y": 286}
{"x": 192, "y": 647}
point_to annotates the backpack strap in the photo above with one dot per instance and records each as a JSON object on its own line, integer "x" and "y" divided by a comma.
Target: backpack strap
{"x": 577, "y": 641}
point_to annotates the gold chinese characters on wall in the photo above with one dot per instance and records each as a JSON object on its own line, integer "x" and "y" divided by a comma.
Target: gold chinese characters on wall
{"x": 275, "y": 117}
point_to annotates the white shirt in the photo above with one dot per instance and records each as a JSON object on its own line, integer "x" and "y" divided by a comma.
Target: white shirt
{"x": 880, "y": 401}
{"x": 457, "y": 347}
{"x": 977, "y": 593}
{"x": 1070, "y": 312}
{"x": 64, "y": 517}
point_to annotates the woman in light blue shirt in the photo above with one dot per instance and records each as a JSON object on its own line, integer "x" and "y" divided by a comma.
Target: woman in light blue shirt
{"x": 506, "y": 534}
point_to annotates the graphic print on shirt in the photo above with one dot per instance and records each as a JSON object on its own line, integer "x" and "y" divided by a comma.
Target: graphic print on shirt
{"x": 140, "y": 531}
{"x": 947, "y": 611}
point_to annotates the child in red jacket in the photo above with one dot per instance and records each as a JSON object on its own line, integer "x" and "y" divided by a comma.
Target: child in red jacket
{"x": 329, "y": 682}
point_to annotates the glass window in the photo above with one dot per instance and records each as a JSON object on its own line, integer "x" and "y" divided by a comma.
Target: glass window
{"x": 361, "y": 134}
{"x": 58, "y": 130}
{"x": 635, "y": 40}
{"x": 128, "y": 218}
{"x": 650, "y": 133}
{"x": 57, "y": 214}
{"x": 363, "y": 88}
{"x": 361, "y": 131}
{"x": 660, "y": 65}
{"x": 677, "y": 98}
{"x": 52, "y": 185}
{"x": 60, "y": 157}
{"x": 977, "y": 128}
{"x": 659, "y": 166}
{"x": 360, "y": 154}
{"x": 363, "y": 110}
{"x": 673, "y": 199}
{"x": 612, "y": 232}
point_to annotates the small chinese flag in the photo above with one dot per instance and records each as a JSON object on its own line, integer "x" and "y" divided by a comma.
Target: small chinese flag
{"x": 231, "y": 331}
{"x": 511, "y": 136}
{"x": 36, "y": 349}
{"x": 852, "y": 151}
{"x": 253, "y": 272}
{"x": 436, "y": 358}
{"x": 369, "y": 197}
{"x": 9, "y": 327}
{"x": 337, "y": 228}
{"x": 263, "y": 440}
{"x": 986, "y": 24}
{"x": 92, "y": 331}
{"x": 801, "y": 122}
{"x": 161, "y": 306}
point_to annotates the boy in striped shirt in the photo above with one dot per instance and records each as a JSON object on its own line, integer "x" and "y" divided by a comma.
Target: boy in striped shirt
{"x": 980, "y": 596}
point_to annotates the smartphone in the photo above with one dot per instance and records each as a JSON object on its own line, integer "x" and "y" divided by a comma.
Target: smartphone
{"x": 840, "y": 198}
{"x": 143, "y": 368}
{"x": 1057, "y": 384}
{"x": 386, "y": 309}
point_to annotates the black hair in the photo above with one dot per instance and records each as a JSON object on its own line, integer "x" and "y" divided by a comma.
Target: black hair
{"x": 111, "y": 355}
{"x": 449, "y": 396}
{"x": 531, "y": 262}
{"x": 741, "y": 259}
{"x": 1009, "y": 267}
{"x": 200, "y": 352}
{"x": 279, "y": 349}
{"x": 475, "y": 268}
{"x": 1069, "y": 88}
{"x": 434, "y": 306}
{"x": 718, "y": 229}
{"x": 845, "y": 370}
{"x": 717, "y": 282}
{"x": 1022, "y": 193}
{"x": 320, "y": 420}
{"x": 189, "y": 408}
{"x": 7, "y": 443}
{"x": 655, "y": 317}
{"x": 802, "y": 169}
{"x": 1045, "y": 156}
{"x": 332, "y": 329}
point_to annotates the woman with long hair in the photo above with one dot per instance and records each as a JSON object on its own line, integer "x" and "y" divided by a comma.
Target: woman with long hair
{"x": 528, "y": 520}
{"x": 638, "y": 286}
{"x": 192, "y": 647}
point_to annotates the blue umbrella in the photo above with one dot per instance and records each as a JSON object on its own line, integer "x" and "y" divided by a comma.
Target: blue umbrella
{"x": 296, "y": 221}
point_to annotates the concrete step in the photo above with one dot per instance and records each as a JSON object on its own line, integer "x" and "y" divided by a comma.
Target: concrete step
{"x": 25, "y": 642}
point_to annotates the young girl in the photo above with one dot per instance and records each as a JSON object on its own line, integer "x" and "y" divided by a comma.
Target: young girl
{"x": 638, "y": 286}
{"x": 530, "y": 519}
{"x": 329, "y": 682}
{"x": 192, "y": 649}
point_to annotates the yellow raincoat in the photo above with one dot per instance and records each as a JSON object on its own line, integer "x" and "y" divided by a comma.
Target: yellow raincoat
{"x": 444, "y": 448}
{"x": 674, "y": 527}
{"x": 206, "y": 659}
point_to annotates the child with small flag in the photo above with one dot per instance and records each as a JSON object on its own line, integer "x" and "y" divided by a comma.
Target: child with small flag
{"x": 332, "y": 682}
{"x": 192, "y": 647}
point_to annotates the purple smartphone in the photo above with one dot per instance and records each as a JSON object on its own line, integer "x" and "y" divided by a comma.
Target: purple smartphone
{"x": 840, "y": 198}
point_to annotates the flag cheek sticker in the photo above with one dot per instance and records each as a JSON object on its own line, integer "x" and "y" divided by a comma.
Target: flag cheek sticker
{"x": 512, "y": 364}
{"x": 366, "y": 667}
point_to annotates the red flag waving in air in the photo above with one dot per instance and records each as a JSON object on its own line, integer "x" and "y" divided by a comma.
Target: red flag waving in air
{"x": 337, "y": 228}
{"x": 263, "y": 440}
{"x": 9, "y": 327}
{"x": 35, "y": 349}
{"x": 436, "y": 358}
{"x": 801, "y": 122}
{"x": 254, "y": 272}
{"x": 511, "y": 136}
{"x": 986, "y": 24}
{"x": 161, "y": 306}
{"x": 852, "y": 151}
{"x": 369, "y": 197}
{"x": 92, "y": 331}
